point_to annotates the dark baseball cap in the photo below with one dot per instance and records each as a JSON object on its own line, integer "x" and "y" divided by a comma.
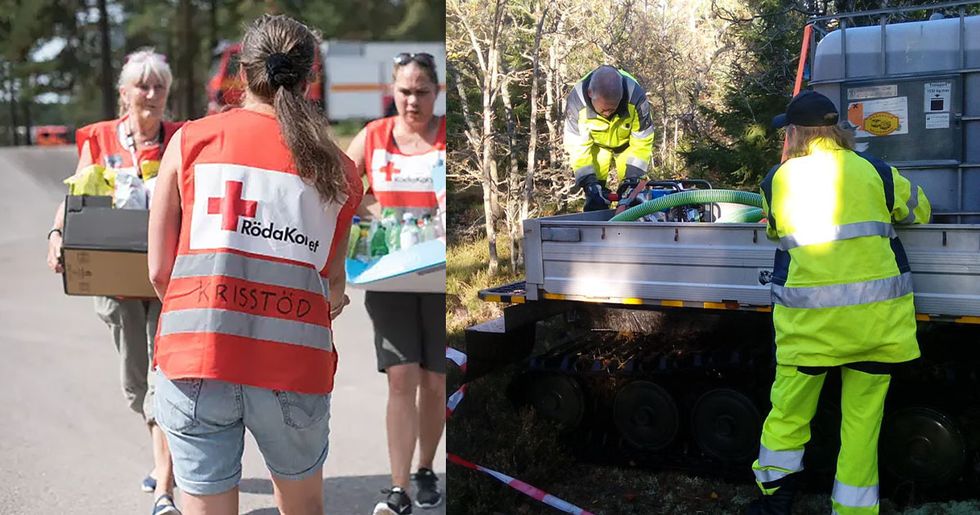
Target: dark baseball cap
{"x": 808, "y": 109}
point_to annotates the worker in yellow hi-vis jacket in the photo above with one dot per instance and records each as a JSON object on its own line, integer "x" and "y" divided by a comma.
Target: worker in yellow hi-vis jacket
{"x": 607, "y": 119}
{"x": 842, "y": 298}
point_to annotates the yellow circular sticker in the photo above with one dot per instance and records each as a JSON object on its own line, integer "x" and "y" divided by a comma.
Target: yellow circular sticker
{"x": 881, "y": 123}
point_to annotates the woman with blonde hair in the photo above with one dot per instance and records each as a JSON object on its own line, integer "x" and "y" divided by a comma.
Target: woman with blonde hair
{"x": 246, "y": 248}
{"x": 842, "y": 301}
{"x": 120, "y": 158}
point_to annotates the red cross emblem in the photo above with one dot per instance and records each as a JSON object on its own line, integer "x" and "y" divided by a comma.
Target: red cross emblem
{"x": 389, "y": 170}
{"x": 231, "y": 206}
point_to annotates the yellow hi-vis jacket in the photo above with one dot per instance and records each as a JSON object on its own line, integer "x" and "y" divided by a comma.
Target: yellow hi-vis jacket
{"x": 628, "y": 133}
{"x": 842, "y": 287}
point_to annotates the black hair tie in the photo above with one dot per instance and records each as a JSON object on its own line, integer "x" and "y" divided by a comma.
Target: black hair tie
{"x": 281, "y": 70}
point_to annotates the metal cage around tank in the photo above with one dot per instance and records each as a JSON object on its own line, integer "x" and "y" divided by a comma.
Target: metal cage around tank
{"x": 921, "y": 79}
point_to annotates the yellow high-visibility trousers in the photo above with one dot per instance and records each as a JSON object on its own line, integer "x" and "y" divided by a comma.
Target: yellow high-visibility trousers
{"x": 787, "y": 429}
{"x": 604, "y": 159}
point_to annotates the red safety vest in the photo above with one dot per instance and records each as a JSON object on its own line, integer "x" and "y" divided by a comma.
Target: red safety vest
{"x": 108, "y": 145}
{"x": 247, "y": 301}
{"x": 399, "y": 179}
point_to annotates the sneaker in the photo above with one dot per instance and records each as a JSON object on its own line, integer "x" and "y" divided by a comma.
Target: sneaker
{"x": 427, "y": 494}
{"x": 149, "y": 484}
{"x": 397, "y": 503}
{"x": 164, "y": 505}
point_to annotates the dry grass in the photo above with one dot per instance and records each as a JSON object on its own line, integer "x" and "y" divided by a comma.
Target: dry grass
{"x": 467, "y": 273}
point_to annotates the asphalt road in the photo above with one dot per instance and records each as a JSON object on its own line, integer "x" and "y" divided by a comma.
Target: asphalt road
{"x": 69, "y": 444}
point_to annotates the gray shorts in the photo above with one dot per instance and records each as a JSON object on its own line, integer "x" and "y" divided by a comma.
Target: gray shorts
{"x": 133, "y": 323}
{"x": 408, "y": 328}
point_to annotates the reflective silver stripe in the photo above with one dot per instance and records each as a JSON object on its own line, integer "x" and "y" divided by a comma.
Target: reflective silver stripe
{"x": 911, "y": 204}
{"x": 855, "y": 496}
{"x": 581, "y": 94}
{"x": 644, "y": 133}
{"x": 768, "y": 476}
{"x": 788, "y": 460}
{"x": 843, "y": 294}
{"x": 573, "y": 109}
{"x": 630, "y": 88}
{"x": 835, "y": 233}
{"x": 575, "y": 136}
{"x": 583, "y": 171}
{"x": 242, "y": 324}
{"x": 241, "y": 267}
{"x": 642, "y": 164}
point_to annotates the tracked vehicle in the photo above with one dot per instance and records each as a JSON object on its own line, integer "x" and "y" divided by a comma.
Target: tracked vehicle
{"x": 695, "y": 399}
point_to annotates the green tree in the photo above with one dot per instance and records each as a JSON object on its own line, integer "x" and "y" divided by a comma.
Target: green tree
{"x": 743, "y": 145}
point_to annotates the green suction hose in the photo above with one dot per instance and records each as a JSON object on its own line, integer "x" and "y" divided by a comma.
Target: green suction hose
{"x": 742, "y": 216}
{"x": 689, "y": 197}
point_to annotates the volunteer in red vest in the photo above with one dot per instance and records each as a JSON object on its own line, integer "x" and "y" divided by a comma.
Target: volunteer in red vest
{"x": 399, "y": 156}
{"x": 120, "y": 158}
{"x": 250, "y": 213}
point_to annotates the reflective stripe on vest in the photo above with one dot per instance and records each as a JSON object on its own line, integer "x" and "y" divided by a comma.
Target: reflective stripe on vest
{"x": 241, "y": 267}
{"x": 236, "y": 323}
{"x": 644, "y": 133}
{"x": 835, "y": 233}
{"x": 849, "y": 294}
{"x": 911, "y": 204}
{"x": 855, "y": 496}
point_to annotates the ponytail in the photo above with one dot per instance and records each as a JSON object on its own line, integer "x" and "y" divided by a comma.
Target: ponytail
{"x": 277, "y": 56}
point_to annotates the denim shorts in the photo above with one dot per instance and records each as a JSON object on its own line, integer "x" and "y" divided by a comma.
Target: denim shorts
{"x": 205, "y": 422}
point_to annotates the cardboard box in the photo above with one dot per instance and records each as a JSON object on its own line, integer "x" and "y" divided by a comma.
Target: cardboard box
{"x": 104, "y": 249}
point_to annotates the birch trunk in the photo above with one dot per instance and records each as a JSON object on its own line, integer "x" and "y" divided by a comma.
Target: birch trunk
{"x": 541, "y": 12}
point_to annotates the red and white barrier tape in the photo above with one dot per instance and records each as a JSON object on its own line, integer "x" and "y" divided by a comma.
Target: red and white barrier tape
{"x": 533, "y": 492}
{"x": 456, "y": 357}
{"x": 454, "y": 400}
{"x": 521, "y": 486}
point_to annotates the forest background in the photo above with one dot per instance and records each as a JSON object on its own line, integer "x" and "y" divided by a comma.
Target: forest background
{"x": 59, "y": 59}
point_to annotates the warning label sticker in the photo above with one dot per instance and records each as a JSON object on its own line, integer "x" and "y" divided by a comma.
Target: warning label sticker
{"x": 937, "y": 96}
{"x": 937, "y": 120}
{"x": 882, "y": 117}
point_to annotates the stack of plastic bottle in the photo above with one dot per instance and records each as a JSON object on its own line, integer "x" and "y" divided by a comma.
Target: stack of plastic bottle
{"x": 377, "y": 238}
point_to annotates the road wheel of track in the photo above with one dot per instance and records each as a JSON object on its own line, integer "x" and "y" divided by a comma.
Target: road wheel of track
{"x": 726, "y": 425}
{"x": 922, "y": 445}
{"x": 646, "y": 415}
{"x": 558, "y": 397}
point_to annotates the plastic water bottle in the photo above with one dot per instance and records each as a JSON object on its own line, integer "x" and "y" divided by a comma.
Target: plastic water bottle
{"x": 376, "y": 235}
{"x": 363, "y": 246}
{"x": 440, "y": 222}
{"x": 355, "y": 234}
{"x": 392, "y": 230}
{"x": 428, "y": 231}
{"x": 409, "y": 232}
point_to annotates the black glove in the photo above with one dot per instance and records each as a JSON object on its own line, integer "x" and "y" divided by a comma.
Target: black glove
{"x": 595, "y": 198}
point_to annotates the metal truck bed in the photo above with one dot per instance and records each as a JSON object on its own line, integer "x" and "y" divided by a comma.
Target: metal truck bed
{"x": 583, "y": 256}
